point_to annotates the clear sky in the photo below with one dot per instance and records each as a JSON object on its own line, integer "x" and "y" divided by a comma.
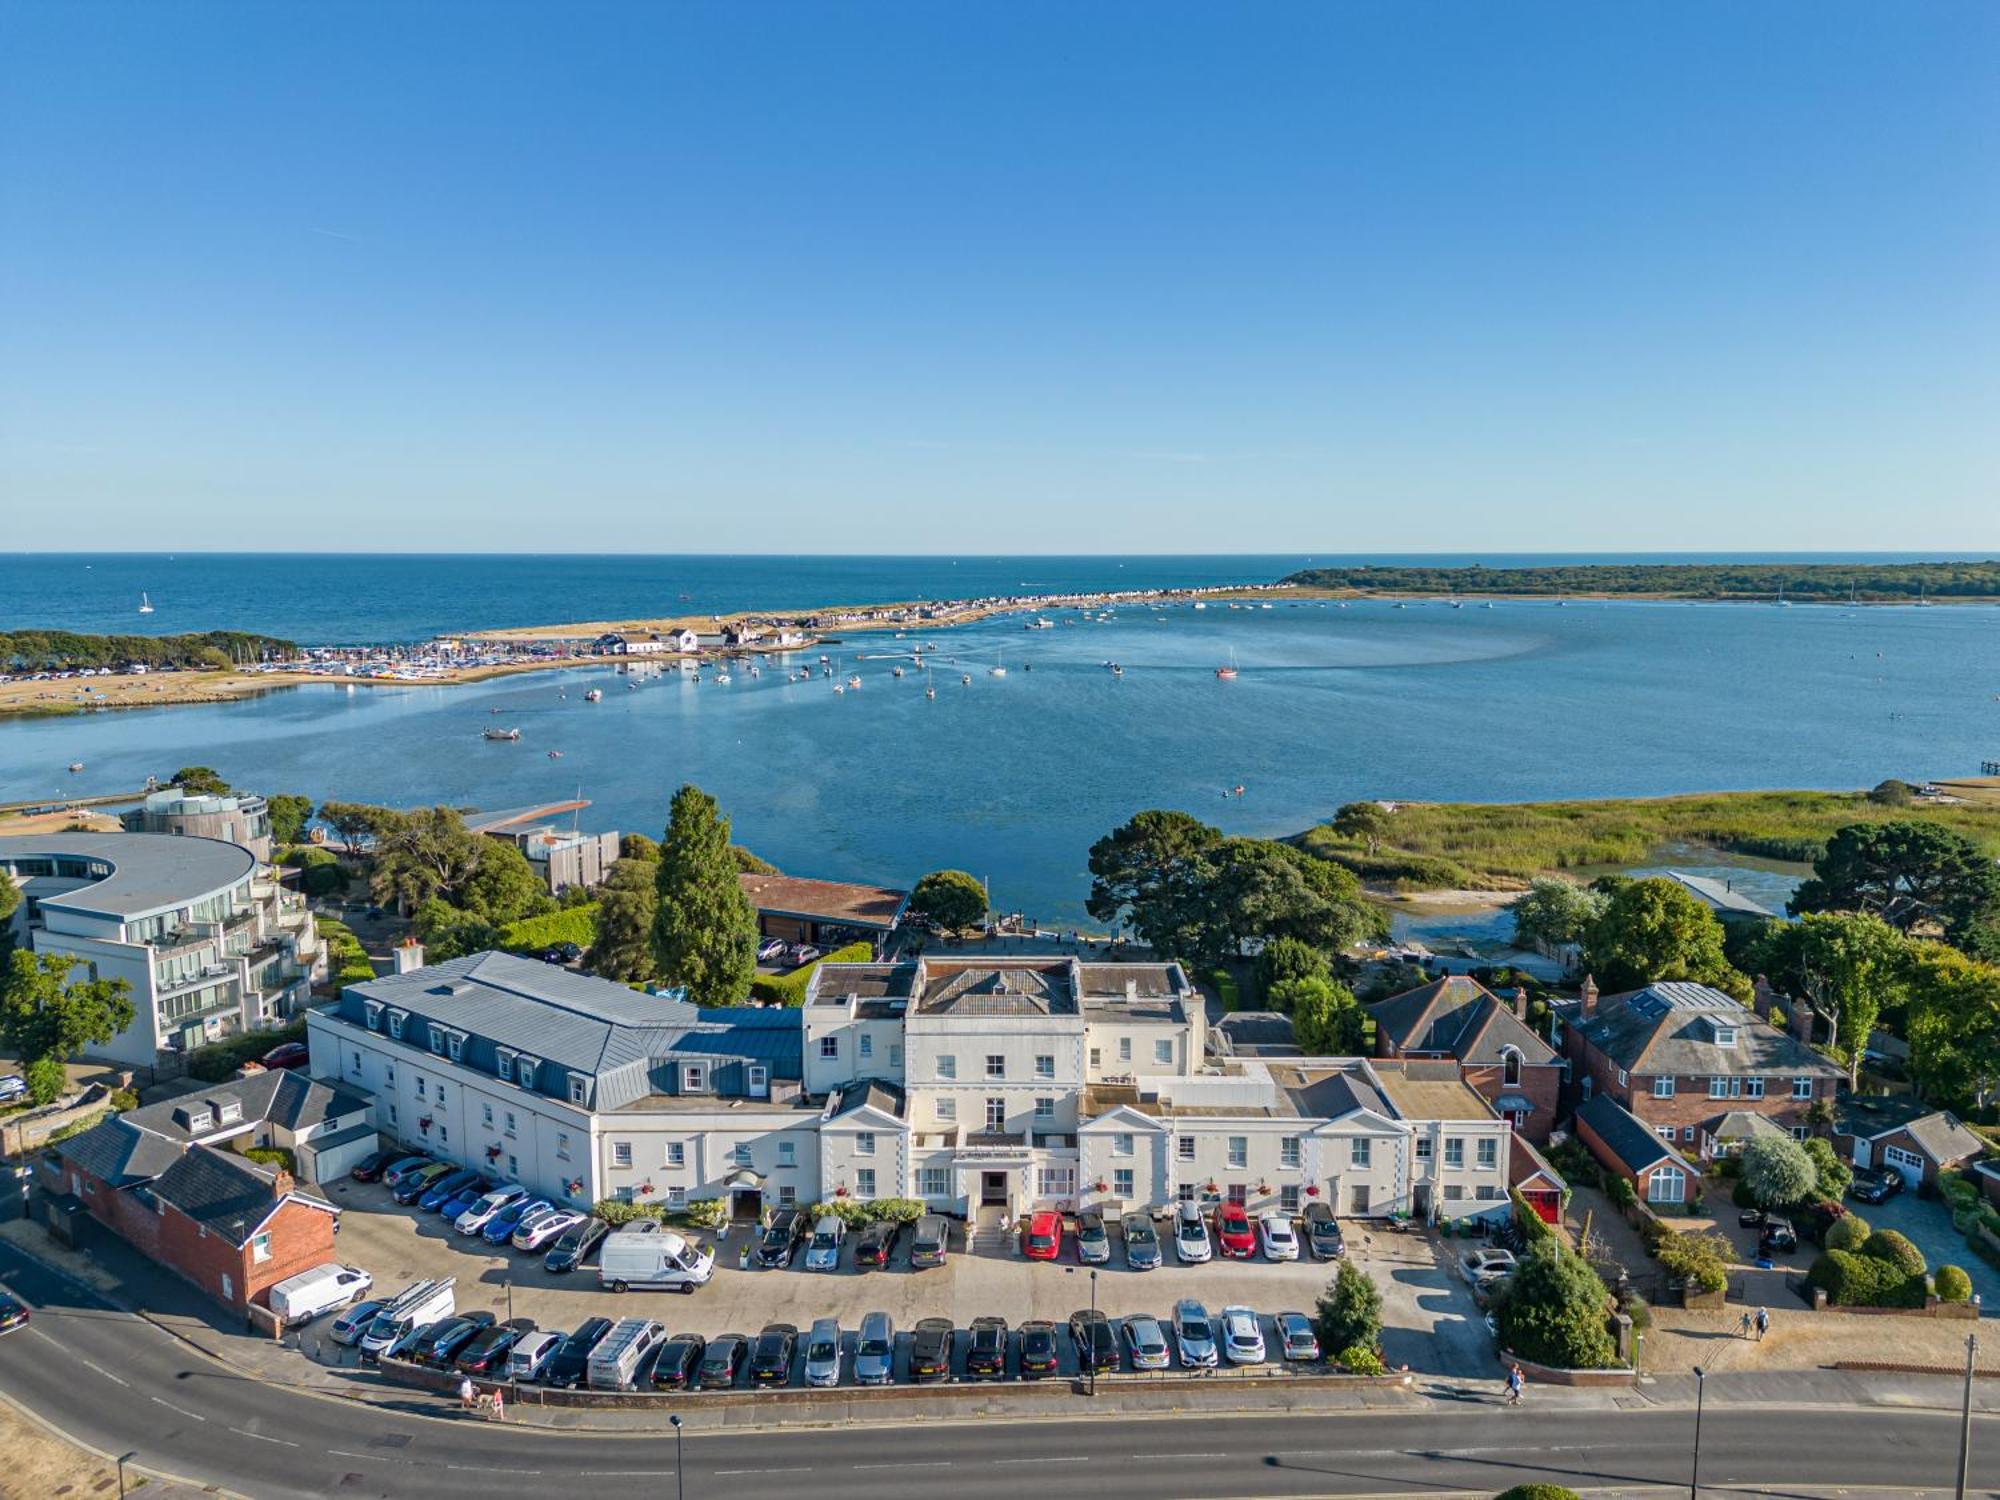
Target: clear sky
{"x": 1031, "y": 277}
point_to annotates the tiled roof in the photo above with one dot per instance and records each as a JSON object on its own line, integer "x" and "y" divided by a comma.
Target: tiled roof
{"x": 997, "y": 989}
{"x": 874, "y": 1094}
{"x": 1460, "y": 1016}
{"x": 1258, "y": 1033}
{"x": 1429, "y": 1091}
{"x": 119, "y": 1153}
{"x": 1938, "y": 1132}
{"x": 1329, "y": 1093}
{"x": 1744, "y": 1125}
{"x": 1626, "y": 1136}
{"x": 224, "y": 1193}
{"x": 282, "y": 1096}
{"x": 1669, "y": 1027}
{"x": 833, "y": 901}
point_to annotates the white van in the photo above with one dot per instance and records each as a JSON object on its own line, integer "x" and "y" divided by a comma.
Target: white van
{"x": 415, "y": 1305}
{"x": 648, "y": 1256}
{"x": 618, "y": 1355}
{"x": 301, "y": 1298}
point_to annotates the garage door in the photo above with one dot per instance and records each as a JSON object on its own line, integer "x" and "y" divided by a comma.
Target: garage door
{"x": 1908, "y": 1163}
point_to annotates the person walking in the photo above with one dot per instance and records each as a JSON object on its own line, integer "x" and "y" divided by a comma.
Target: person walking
{"x": 499, "y": 1407}
{"x": 1763, "y": 1323}
{"x": 468, "y": 1397}
{"x": 1515, "y": 1381}
{"x": 1743, "y": 1327}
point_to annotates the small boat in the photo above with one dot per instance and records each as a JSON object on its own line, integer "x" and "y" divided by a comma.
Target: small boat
{"x": 555, "y": 755}
{"x": 595, "y": 695}
{"x": 998, "y": 669}
{"x": 756, "y": 671}
{"x": 76, "y": 765}
{"x": 1199, "y": 605}
{"x": 1116, "y": 670}
{"x": 895, "y": 671}
{"x": 145, "y": 604}
{"x": 930, "y": 692}
{"x": 854, "y": 682}
{"x": 838, "y": 688}
{"x": 722, "y": 679}
{"x": 1228, "y": 673}
{"x": 500, "y": 734}
{"x": 966, "y": 680}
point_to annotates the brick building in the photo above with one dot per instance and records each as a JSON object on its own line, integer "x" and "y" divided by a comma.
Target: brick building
{"x": 1625, "y": 1144}
{"x": 1503, "y": 1061}
{"x": 1682, "y": 1057}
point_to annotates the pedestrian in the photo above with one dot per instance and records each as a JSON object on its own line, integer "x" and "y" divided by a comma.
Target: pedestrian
{"x": 1743, "y": 1327}
{"x": 1515, "y": 1381}
{"x": 1763, "y": 1323}
{"x": 468, "y": 1398}
{"x": 499, "y": 1409}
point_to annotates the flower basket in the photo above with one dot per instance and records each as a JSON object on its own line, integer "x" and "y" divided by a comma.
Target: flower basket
{"x": 424, "y": 1124}
{"x": 492, "y": 1153}
{"x": 1101, "y": 1186}
{"x": 1312, "y": 1190}
{"x": 840, "y": 1192}
{"x": 1264, "y": 1187}
{"x": 1210, "y": 1187}
{"x": 645, "y": 1190}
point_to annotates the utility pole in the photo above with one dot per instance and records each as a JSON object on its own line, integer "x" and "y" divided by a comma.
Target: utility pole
{"x": 680, "y": 1468}
{"x": 1965, "y": 1416}
{"x": 1694, "y": 1476}
{"x": 1093, "y": 1334}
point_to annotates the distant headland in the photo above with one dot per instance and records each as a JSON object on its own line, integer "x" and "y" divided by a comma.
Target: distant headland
{"x": 1802, "y": 583}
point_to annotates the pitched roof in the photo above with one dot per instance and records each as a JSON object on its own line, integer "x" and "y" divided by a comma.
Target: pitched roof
{"x": 225, "y": 1194}
{"x": 1670, "y": 1027}
{"x": 1330, "y": 1093}
{"x": 873, "y": 1094}
{"x": 1744, "y": 1125}
{"x": 1627, "y": 1137}
{"x": 1257, "y": 1033}
{"x": 282, "y": 1096}
{"x": 119, "y": 1153}
{"x": 1458, "y": 1015}
{"x": 986, "y": 988}
{"x": 1938, "y": 1132}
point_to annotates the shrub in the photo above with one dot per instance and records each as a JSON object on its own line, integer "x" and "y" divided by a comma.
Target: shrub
{"x": 1896, "y": 1249}
{"x": 1620, "y": 1190}
{"x": 1953, "y": 1285}
{"x": 1957, "y": 1192}
{"x": 220, "y": 1060}
{"x": 573, "y": 924}
{"x": 1701, "y": 1260}
{"x": 272, "y": 1156}
{"x": 1636, "y": 1308}
{"x": 1555, "y": 1313}
{"x": 124, "y": 1099}
{"x": 791, "y": 989}
{"x": 850, "y": 1211}
{"x": 1359, "y": 1359}
{"x": 46, "y": 1078}
{"x": 1865, "y": 1281}
{"x": 1778, "y": 1171}
{"x": 1349, "y": 1310}
{"x": 896, "y": 1210}
{"x": 1849, "y": 1234}
{"x": 707, "y": 1213}
{"x": 619, "y": 1211}
{"x": 1535, "y": 1230}
{"x": 1538, "y": 1492}
{"x": 346, "y": 961}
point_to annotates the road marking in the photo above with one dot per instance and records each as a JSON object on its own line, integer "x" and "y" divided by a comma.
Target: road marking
{"x": 343, "y": 1453}
{"x": 1078, "y": 1459}
{"x": 720, "y": 1472}
{"x": 486, "y": 1469}
{"x": 1150, "y": 1456}
{"x": 104, "y": 1372}
{"x": 181, "y": 1409}
{"x": 281, "y": 1442}
{"x": 940, "y": 1464}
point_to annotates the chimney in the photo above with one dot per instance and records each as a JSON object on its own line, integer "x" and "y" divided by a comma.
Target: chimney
{"x": 1802, "y": 1021}
{"x": 1761, "y": 996}
{"x": 1589, "y": 996}
{"x": 1131, "y": 991}
{"x": 281, "y": 1183}
{"x": 409, "y": 956}
{"x": 1520, "y": 1002}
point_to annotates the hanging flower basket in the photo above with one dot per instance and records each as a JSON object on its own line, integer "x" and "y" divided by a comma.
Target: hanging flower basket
{"x": 1101, "y": 1186}
{"x": 1312, "y": 1190}
{"x": 424, "y": 1124}
{"x": 1263, "y": 1187}
{"x": 492, "y": 1153}
{"x": 645, "y": 1190}
{"x": 1210, "y": 1187}
{"x": 573, "y": 1186}
{"x": 841, "y": 1191}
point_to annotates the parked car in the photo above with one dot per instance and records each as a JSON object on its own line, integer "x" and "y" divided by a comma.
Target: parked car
{"x": 1233, "y": 1231}
{"x": 1093, "y": 1240}
{"x": 464, "y": 1198}
{"x": 1298, "y": 1339}
{"x": 12, "y": 1086}
{"x": 537, "y": 1230}
{"x": 875, "y": 1244}
{"x": 1142, "y": 1242}
{"x": 475, "y": 1219}
{"x": 1190, "y": 1235}
{"x": 575, "y": 1244}
{"x": 1145, "y": 1345}
{"x": 299, "y": 1299}
{"x": 1038, "y": 1348}
{"x": 1242, "y": 1339}
{"x": 412, "y": 1185}
{"x": 561, "y": 953}
{"x": 1042, "y": 1239}
{"x": 678, "y": 1361}
{"x": 530, "y": 1356}
{"x": 646, "y": 1256}
{"x": 402, "y": 1167}
{"x": 930, "y": 1244}
{"x": 487, "y": 1354}
{"x": 1323, "y": 1236}
{"x": 823, "y": 1353}
{"x": 722, "y": 1361}
{"x": 823, "y": 1254}
{"x": 1096, "y": 1344}
{"x": 1876, "y": 1187}
{"x": 930, "y": 1351}
{"x": 288, "y": 1055}
{"x": 500, "y": 1228}
{"x": 986, "y": 1355}
{"x": 13, "y": 1312}
{"x": 781, "y": 1238}
{"x": 347, "y": 1329}
{"x": 1194, "y": 1335}
{"x": 1777, "y": 1236}
{"x": 371, "y": 1167}
{"x": 568, "y": 1366}
{"x": 442, "y": 1190}
{"x": 1483, "y": 1265}
{"x": 770, "y": 949}
{"x": 875, "y": 1350}
{"x": 417, "y": 1304}
{"x": 620, "y": 1356}
{"x": 406, "y": 1344}
{"x": 1275, "y": 1234}
{"x": 771, "y": 1355}
{"x": 442, "y": 1347}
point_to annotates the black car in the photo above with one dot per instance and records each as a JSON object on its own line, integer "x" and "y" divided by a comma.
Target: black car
{"x": 875, "y": 1244}
{"x": 771, "y": 1355}
{"x": 406, "y": 1347}
{"x": 443, "y": 1346}
{"x": 560, "y": 953}
{"x": 1038, "y": 1349}
{"x": 782, "y": 1237}
{"x": 487, "y": 1354}
{"x": 1876, "y": 1187}
{"x": 1096, "y": 1343}
{"x": 930, "y": 1351}
{"x": 371, "y": 1166}
{"x": 569, "y": 1364}
{"x": 1323, "y": 1236}
{"x": 1778, "y": 1237}
{"x": 574, "y": 1244}
{"x": 1142, "y": 1243}
{"x": 723, "y": 1361}
{"x": 986, "y": 1355}
{"x": 679, "y": 1357}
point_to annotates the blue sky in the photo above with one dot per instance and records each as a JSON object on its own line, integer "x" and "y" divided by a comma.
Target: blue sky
{"x": 1147, "y": 277}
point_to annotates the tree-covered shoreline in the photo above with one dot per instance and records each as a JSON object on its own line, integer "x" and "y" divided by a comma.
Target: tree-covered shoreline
{"x": 66, "y": 650}
{"x": 1814, "y": 583}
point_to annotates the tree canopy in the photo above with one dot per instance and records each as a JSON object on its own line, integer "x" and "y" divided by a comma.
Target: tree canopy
{"x": 1287, "y": 958}
{"x": 1953, "y": 1025}
{"x": 1349, "y": 1312}
{"x": 1556, "y": 912}
{"x": 1151, "y": 873}
{"x": 1849, "y": 966}
{"x": 200, "y": 780}
{"x": 1917, "y": 876}
{"x": 1556, "y": 1311}
{"x": 503, "y": 887}
{"x": 704, "y": 928}
{"x": 1653, "y": 929}
{"x": 289, "y": 815}
{"x": 50, "y": 1007}
{"x": 625, "y": 906}
{"x": 1777, "y": 1171}
{"x": 951, "y": 898}
{"x": 423, "y": 854}
{"x": 1327, "y": 1021}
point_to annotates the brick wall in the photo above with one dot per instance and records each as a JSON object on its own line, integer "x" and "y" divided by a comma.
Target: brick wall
{"x": 1540, "y": 1085}
{"x": 1690, "y": 1103}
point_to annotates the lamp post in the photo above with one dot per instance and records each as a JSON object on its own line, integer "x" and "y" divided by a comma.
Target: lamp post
{"x": 122, "y": 1460}
{"x": 680, "y": 1481}
{"x": 1093, "y": 1335}
{"x": 1965, "y": 1416}
{"x": 1694, "y": 1477}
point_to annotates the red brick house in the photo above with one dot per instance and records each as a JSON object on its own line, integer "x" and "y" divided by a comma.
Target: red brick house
{"x": 1498, "y": 1057}
{"x": 1903, "y": 1134}
{"x": 1683, "y": 1058}
{"x": 1626, "y": 1145}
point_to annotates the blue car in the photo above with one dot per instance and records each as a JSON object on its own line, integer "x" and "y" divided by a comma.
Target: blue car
{"x": 445, "y": 1189}
{"x": 500, "y": 1228}
{"x": 461, "y": 1200}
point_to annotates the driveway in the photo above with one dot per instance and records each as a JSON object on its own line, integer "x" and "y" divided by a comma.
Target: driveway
{"x": 1926, "y": 1223}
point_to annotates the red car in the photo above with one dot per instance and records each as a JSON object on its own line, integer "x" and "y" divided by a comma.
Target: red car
{"x": 1233, "y": 1231}
{"x": 1042, "y": 1238}
{"x": 288, "y": 1055}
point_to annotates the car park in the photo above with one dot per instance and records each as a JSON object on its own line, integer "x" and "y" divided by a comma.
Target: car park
{"x": 537, "y": 1230}
{"x": 1038, "y": 1348}
{"x": 299, "y": 1299}
{"x": 420, "y": 1303}
{"x": 1145, "y": 1345}
{"x": 348, "y": 1328}
{"x": 575, "y": 1245}
{"x": 930, "y": 1351}
{"x": 1242, "y": 1338}
{"x": 1093, "y": 1240}
{"x": 464, "y": 1198}
{"x": 1096, "y": 1344}
{"x": 1777, "y": 1237}
{"x": 1323, "y": 1235}
{"x": 930, "y": 1244}
{"x": 441, "y": 1190}
{"x": 647, "y": 1256}
{"x": 771, "y": 1355}
{"x": 530, "y": 1355}
{"x": 986, "y": 1354}
{"x": 875, "y": 1350}
{"x": 823, "y": 1353}
{"x": 475, "y": 1219}
{"x": 722, "y": 1361}
{"x": 1194, "y": 1335}
{"x": 567, "y": 1367}
{"x": 1142, "y": 1243}
{"x": 412, "y": 1339}
{"x": 500, "y": 1228}
{"x": 1298, "y": 1339}
{"x": 487, "y": 1354}
{"x": 1233, "y": 1232}
{"x": 1042, "y": 1239}
{"x": 412, "y": 1185}
{"x": 443, "y": 1346}
{"x": 1190, "y": 1235}
{"x": 823, "y": 1254}
{"x": 875, "y": 1244}
{"x": 782, "y": 1237}
{"x": 403, "y": 1167}
{"x": 1277, "y": 1237}
{"x": 1876, "y": 1187}
{"x": 371, "y": 1167}
{"x": 616, "y": 1361}
{"x": 679, "y": 1359}
{"x": 1481, "y": 1266}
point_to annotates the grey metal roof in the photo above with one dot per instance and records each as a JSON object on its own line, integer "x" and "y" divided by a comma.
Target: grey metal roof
{"x": 1719, "y": 896}
{"x": 1670, "y": 1028}
{"x": 1626, "y": 1136}
{"x": 150, "y": 872}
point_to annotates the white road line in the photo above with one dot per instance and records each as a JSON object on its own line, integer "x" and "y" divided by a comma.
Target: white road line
{"x": 617, "y": 1473}
{"x": 181, "y": 1409}
{"x": 1077, "y": 1459}
{"x": 104, "y": 1372}
{"x": 281, "y": 1442}
{"x": 720, "y": 1472}
{"x": 1150, "y": 1456}
{"x": 343, "y": 1453}
{"x": 488, "y": 1469}
{"x": 939, "y": 1464}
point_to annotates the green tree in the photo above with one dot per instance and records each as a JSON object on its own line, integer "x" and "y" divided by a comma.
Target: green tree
{"x": 448, "y": 932}
{"x": 1831, "y": 1175}
{"x": 1349, "y": 1311}
{"x": 10, "y": 898}
{"x": 1557, "y": 1312}
{"x": 1916, "y": 876}
{"x": 426, "y": 853}
{"x": 625, "y": 907}
{"x": 504, "y": 887}
{"x": 1849, "y": 966}
{"x": 1953, "y": 1025}
{"x": 748, "y": 863}
{"x": 950, "y": 898}
{"x": 200, "y": 780}
{"x": 49, "y": 1007}
{"x": 704, "y": 929}
{"x": 1777, "y": 1172}
{"x": 359, "y": 825}
{"x": 1287, "y": 958}
{"x": 1652, "y": 930}
{"x": 46, "y": 1078}
{"x": 289, "y": 816}
{"x": 1556, "y": 912}
{"x": 1327, "y": 1021}
{"x": 1153, "y": 874}
{"x": 1262, "y": 889}
{"x": 637, "y": 846}
{"x": 1364, "y": 822}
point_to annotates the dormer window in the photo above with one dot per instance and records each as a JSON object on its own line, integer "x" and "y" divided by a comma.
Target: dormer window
{"x": 437, "y": 1039}
{"x": 694, "y": 1078}
{"x": 1725, "y": 1036}
{"x": 579, "y": 1087}
{"x": 503, "y": 1065}
{"x": 524, "y": 1071}
{"x": 200, "y": 1120}
{"x": 396, "y": 1025}
{"x": 230, "y": 1111}
{"x": 372, "y": 1013}
{"x": 455, "y": 1045}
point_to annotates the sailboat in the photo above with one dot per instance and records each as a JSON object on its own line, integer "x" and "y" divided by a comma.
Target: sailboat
{"x": 145, "y": 604}
{"x": 999, "y": 667}
{"x": 1228, "y": 673}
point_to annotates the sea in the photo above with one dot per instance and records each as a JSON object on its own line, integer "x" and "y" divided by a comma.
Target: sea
{"x": 1013, "y": 776}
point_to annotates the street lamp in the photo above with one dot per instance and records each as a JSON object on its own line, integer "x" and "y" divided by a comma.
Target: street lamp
{"x": 1700, "y": 1386}
{"x": 1965, "y": 1416}
{"x": 1093, "y": 1331}
{"x": 122, "y": 1460}
{"x": 680, "y": 1481}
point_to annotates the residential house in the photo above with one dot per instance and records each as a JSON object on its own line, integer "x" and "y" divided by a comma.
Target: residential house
{"x": 1903, "y": 1133}
{"x": 1628, "y": 1146}
{"x": 1498, "y": 1056}
{"x": 825, "y": 913}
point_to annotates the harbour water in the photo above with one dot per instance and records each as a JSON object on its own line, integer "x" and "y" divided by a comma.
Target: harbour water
{"x": 1012, "y": 777}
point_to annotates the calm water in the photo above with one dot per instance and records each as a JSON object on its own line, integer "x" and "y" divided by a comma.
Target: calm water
{"x": 1013, "y": 777}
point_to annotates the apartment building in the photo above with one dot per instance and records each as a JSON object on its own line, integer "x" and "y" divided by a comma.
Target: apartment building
{"x": 208, "y": 939}
{"x": 233, "y": 817}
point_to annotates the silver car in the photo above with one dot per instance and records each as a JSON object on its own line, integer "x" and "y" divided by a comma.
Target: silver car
{"x": 1145, "y": 1345}
{"x": 1194, "y": 1337}
{"x": 1241, "y": 1336}
{"x": 875, "y": 1350}
{"x": 1191, "y": 1235}
{"x": 823, "y": 1353}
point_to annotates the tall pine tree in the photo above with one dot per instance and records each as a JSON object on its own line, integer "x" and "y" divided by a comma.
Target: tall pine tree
{"x": 705, "y": 930}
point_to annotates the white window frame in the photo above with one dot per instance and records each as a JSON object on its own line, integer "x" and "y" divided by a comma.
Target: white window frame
{"x": 1123, "y": 1182}
{"x": 947, "y": 1107}
{"x": 1288, "y": 1151}
{"x": 1238, "y": 1148}
{"x": 1361, "y": 1152}
{"x": 866, "y": 1046}
{"x": 621, "y": 1153}
{"x": 579, "y": 1088}
{"x": 947, "y": 1067}
{"x": 864, "y": 1182}
{"x": 1663, "y": 1087}
{"x": 1454, "y": 1151}
{"x": 1124, "y": 1144}
{"x": 1045, "y": 1065}
{"x": 1487, "y": 1154}
{"x": 996, "y": 1065}
{"x": 694, "y": 1078}
{"x": 676, "y": 1153}
{"x": 829, "y": 1048}
{"x": 1802, "y": 1088}
{"x": 864, "y": 1143}
{"x": 1184, "y": 1148}
{"x": 788, "y": 1153}
{"x": 1045, "y": 1109}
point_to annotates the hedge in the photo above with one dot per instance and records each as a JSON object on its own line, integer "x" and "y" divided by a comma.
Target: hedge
{"x": 346, "y": 960}
{"x": 220, "y": 1060}
{"x": 1359, "y": 1359}
{"x": 791, "y": 988}
{"x": 1850, "y": 1234}
{"x": 1534, "y": 1228}
{"x": 1953, "y": 1285}
{"x": 273, "y": 1156}
{"x": 576, "y": 924}
{"x": 1887, "y": 1244}
{"x": 855, "y": 1212}
{"x": 1538, "y": 1492}
{"x": 1851, "y": 1280}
